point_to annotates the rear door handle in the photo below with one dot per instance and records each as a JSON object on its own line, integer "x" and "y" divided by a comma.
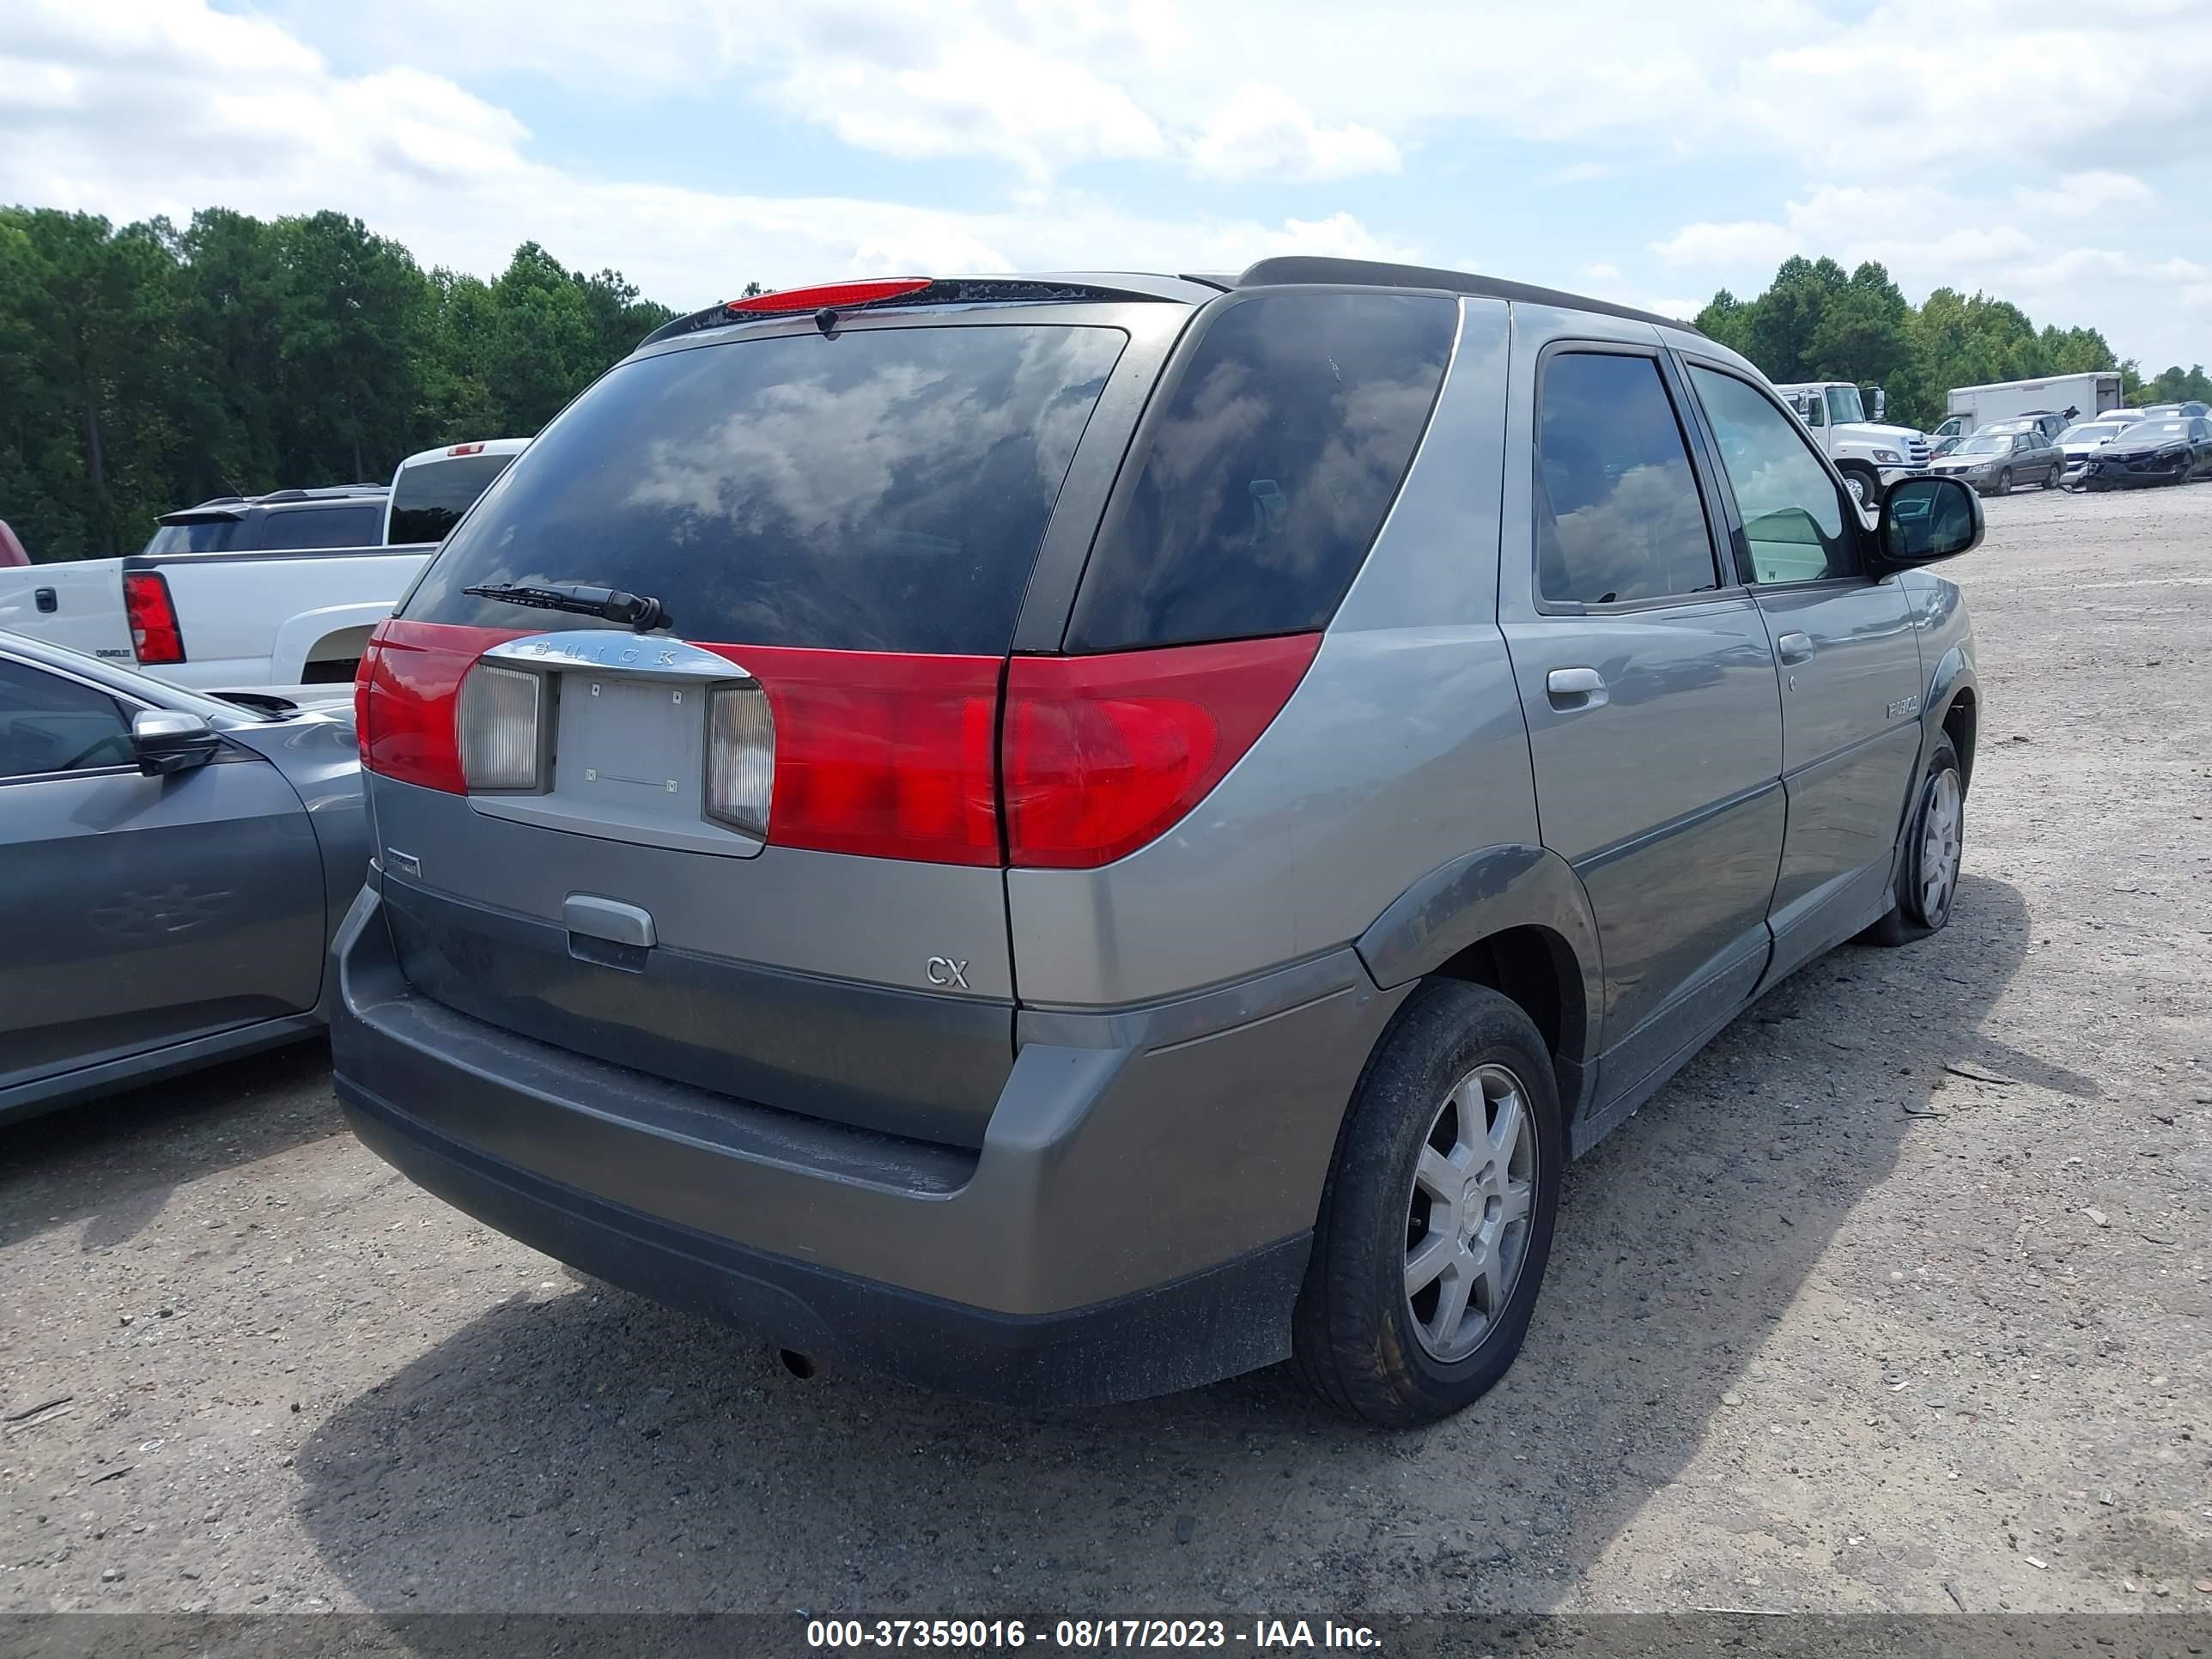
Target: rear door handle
{"x": 1575, "y": 688}
{"x": 1794, "y": 647}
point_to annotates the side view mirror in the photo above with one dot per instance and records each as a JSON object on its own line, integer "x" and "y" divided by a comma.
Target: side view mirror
{"x": 1881, "y": 405}
{"x": 1924, "y": 519}
{"x": 165, "y": 741}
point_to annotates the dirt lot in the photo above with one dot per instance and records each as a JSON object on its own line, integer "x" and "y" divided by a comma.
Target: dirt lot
{"x": 1899, "y": 1297}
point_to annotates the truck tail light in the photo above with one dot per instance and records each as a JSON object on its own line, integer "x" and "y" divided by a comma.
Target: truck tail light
{"x": 154, "y": 635}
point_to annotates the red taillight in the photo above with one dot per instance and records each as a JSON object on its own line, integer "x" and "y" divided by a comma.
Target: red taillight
{"x": 154, "y": 635}
{"x": 890, "y": 756}
{"x": 1104, "y": 753}
{"x": 466, "y": 449}
{"x": 882, "y": 755}
{"x": 831, "y": 294}
{"x": 405, "y": 696}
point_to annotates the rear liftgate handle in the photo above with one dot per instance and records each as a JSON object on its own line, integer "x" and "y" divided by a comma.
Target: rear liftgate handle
{"x": 608, "y": 932}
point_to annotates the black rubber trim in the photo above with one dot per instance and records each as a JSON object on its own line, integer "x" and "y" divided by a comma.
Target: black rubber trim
{"x": 1195, "y": 1330}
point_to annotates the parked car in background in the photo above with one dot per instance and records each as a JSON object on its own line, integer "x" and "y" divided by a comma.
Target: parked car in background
{"x": 930, "y": 886}
{"x": 2077, "y": 443}
{"x": 276, "y": 590}
{"x": 2046, "y": 422}
{"x": 172, "y": 868}
{"x": 2190, "y": 410}
{"x": 1993, "y": 462}
{"x": 2151, "y": 452}
{"x": 342, "y": 515}
{"x": 11, "y": 551}
{"x": 1869, "y": 454}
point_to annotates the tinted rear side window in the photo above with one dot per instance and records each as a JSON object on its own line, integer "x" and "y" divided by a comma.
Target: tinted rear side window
{"x": 881, "y": 489}
{"x": 428, "y": 498}
{"x": 1267, "y": 475}
{"x": 207, "y": 536}
{"x": 323, "y": 526}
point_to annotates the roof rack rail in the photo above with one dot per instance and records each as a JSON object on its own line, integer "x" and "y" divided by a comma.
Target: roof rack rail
{"x": 1374, "y": 273}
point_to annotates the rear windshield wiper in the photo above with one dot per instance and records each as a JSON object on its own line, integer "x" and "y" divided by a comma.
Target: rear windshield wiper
{"x": 639, "y": 610}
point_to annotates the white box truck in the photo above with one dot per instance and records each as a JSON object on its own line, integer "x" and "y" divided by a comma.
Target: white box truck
{"x": 1970, "y": 408}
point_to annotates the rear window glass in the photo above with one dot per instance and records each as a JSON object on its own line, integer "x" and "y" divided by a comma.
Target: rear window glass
{"x": 1268, "y": 472}
{"x": 209, "y": 536}
{"x": 323, "y": 526}
{"x": 882, "y": 489}
{"x": 428, "y": 498}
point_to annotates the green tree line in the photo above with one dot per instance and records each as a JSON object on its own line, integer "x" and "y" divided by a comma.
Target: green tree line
{"x": 147, "y": 366}
{"x": 1817, "y": 322}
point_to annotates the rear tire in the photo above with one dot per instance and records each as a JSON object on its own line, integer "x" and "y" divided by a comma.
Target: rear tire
{"x": 2050, "y": 479}
{"x": 1928, "y": 873}
{"x": 2004, "y": 484}
{"x": 1437, "y": 1221}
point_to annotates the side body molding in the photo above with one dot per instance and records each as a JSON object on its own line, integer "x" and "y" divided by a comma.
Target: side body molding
{"x": 1484, "y": 893}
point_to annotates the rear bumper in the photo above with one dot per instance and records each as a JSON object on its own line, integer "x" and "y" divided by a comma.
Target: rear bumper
{"x": 1136, "y": 1221}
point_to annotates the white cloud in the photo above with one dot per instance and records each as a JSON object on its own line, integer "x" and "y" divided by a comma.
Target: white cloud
{"x": 1261, "y": 132}
{"x": 1740, "y": 242}
{"x": 2081, "y": 194}
{"x": 450, "y": 176}
{"x": 130, "y": 106}
{"x": 1882, "y": 87}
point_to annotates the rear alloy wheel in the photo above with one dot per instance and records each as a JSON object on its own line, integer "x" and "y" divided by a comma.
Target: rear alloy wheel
{"x": 1928, "y": 870}
{"x": 1437, "y": 1218}
{"x": 2004, "y": 483}
{"x": 2050, "y": 478}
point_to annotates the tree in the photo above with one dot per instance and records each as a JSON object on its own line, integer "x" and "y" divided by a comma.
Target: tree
{"x": 349, "y": 346}
{"x": 89, "y": 339}
{"x": 1814, "y": 323}
{"x": 150, "y": 367}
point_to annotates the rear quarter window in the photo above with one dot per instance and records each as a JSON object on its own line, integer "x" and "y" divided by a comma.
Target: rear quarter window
{"x": 304, "y": 527}
{"x": 428, "y": 498}
{"x": 875, "y": 489}
{"x": 1263, "y": 478}
{"x": 204, "y": 536}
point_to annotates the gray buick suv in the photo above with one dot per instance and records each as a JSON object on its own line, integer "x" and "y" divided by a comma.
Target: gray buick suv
{"x": 1065, "y": 837}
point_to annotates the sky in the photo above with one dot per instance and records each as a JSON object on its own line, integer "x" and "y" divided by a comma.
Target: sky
{"x": 2054, "y": 153}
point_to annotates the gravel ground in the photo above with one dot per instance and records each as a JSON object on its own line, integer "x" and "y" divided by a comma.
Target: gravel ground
{"x": 1898, "y": 1298}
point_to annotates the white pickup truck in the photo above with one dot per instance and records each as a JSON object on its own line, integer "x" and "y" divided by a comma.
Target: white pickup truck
{"x": 1869, "y": 454}
{"x": 246, "y": 592}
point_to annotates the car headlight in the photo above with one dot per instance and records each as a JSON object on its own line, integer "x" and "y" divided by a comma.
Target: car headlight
{"x": 1888, "y": 457}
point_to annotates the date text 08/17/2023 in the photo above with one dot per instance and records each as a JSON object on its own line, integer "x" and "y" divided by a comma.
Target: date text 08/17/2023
{"x": 1261, "y": 1635}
